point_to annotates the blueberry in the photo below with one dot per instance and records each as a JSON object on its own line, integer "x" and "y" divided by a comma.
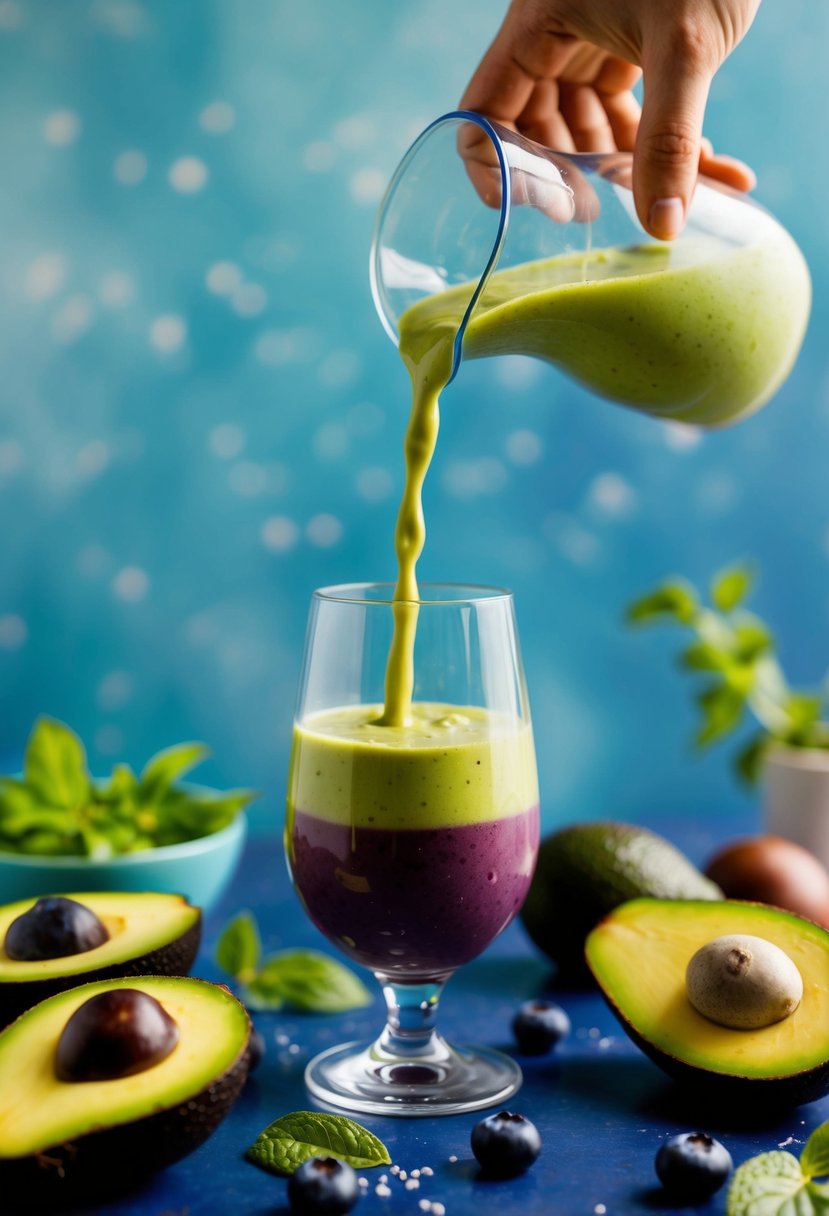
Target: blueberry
{"x": 538, "y": 1026}
{"x": 54, "y": 927}
{"x": 693, "y": 1166}
{"x": 505, "y": 1144}
{"x": 323, "y": 1186}
{"x": 256, "y": 1050}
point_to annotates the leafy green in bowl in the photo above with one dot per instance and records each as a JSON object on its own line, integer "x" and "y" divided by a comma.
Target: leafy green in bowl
{"x": 57, "y": 809}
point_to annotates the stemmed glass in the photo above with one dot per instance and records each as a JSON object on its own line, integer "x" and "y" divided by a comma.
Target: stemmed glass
{"x": 412, "y": 847}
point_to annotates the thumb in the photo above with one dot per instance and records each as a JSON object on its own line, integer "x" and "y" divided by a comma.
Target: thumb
{"x": 666, "y": 156}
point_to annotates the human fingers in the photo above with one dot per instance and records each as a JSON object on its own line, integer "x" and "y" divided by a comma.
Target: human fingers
{"x": 728, "y": 170}
{"x": 542, "y": 120}
{"x": 586, "y": 117}
{"x": 623, "y": 111}
{"x": 667, "y": 149}
{"x": 520, "y": 56}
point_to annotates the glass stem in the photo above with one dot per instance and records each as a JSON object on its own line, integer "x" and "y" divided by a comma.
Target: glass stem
{"x": 411, "y": 1014}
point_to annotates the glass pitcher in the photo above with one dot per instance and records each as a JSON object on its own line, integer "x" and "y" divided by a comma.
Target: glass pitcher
{"x": 522, "y": 250}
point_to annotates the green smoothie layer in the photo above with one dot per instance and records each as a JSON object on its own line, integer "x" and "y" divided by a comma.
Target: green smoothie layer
{"x": 451, "y": 766}
{"x": 697, "y": 330}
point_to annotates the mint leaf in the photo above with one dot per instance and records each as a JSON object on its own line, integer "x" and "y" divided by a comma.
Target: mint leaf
{"x": 238, "y": 948}
{"x": 167, "y": 766}
{"x": 672, "y": 599}
{"x": 55, "y": 765}
{"x": 814, "y": 1160}
{"x": 731, "y": 586}
{"x": 771, "y": 1184}
{"x": 292, "y": 1139}
{"x": 722, "y": 707}
{"x": 749, "y": 762}
{"x": 308, "y": 981}
{"x": 702, "y": 656}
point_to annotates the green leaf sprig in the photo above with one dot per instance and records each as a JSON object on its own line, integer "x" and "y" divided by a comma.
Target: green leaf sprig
{"x": 284, "y": 1144}
{"x": 777, "y": 1184}
{"x": 305, "y": 980}
{"x": 734, "y": 652}
{"x": 57, "y": 809}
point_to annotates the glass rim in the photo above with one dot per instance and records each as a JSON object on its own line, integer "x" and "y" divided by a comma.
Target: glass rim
{"x": 472, "y": 594}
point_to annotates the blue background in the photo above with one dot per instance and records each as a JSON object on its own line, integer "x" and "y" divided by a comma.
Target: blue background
{"x": 201, "y": 418}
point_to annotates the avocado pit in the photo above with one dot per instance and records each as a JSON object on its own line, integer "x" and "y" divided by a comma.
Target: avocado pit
{"x": 115, "y": 1034}
{"x": 743, "y": 982}
{"x": 54, "y": 927}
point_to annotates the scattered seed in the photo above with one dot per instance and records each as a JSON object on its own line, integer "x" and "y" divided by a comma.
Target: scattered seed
{"x": 395, "y": 1169}
{"x": 600, "y": 1209}
{"x": 402, "y": 1175}
{"x": 412, "y": 1185}
{"x": 453, "y": 1158}
{"x": 382, "y": 1190}
{"x": 384, "y": 1178}
{"x": 428, "y": 1171}
{"x": 415, "y": 1173}
{"x": 425, "y": 1205}
{"x": 438, "y": 1209}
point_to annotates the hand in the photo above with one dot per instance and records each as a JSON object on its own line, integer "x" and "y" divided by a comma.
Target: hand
{"x": 561, "y": 72}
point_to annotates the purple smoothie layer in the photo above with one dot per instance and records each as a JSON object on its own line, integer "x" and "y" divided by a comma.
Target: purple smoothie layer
{"x": 413, "y": 903}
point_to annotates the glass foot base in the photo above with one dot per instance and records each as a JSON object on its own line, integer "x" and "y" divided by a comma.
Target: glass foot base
{"x": 444, "y": 1081}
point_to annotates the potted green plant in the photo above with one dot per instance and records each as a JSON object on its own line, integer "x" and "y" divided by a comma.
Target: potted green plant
{"x": 732, "y": 652}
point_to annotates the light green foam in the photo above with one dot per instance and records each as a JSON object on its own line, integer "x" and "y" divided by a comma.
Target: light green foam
{"x": 451, "y": 766}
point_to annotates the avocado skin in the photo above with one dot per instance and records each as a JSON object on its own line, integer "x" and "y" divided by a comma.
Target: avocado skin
{"x": 109, "y": 1162}
{"x": 586, "y": 870}
{"x": 173, "y": 958}
{"x": 737, "y": 1094}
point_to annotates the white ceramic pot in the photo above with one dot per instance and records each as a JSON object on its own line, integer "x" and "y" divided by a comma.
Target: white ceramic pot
{"x": 796, "y": 797}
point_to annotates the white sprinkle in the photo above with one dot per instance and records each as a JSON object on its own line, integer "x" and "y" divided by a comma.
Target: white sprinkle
{"x": 61, "y": 127}
{"x": 282, "y": 1040}
{"x": 131, "y": 584}
{"x": 416, "y": 1173}
{"x": 217, "y": 118}
{"x": 382, "y": 1190}
{"x": 438, "y": 1209}
{"x": 130, "y": 167}
{"x": 612, "y": 495}
{"x": 786, "y": 1142}
{"x": 13, "y": 631}
{"x": 413, "y": 1185}
{"x": 188, "y": 175}
{"x": 384, "y": 1177}
{"x": 363, "y": 1182}
{"x": 294, "y": 1049}
{"x": 426, "y": 1170}
{"x": 453, "y": 1158}
{"x": 425, "y": 1205}
{"x": 605, "y": 1043}
{"x": 168, "y": 333}
{"x": 402, "y": 1175}
{"x": 395, "y": 1169}
{"x": 600, "y": 1209}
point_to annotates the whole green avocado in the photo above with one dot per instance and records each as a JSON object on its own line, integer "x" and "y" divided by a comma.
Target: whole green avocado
{"x": 586, "y": 870}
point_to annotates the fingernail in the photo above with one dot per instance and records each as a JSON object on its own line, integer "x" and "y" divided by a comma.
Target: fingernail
{"x": 666, "y": 217}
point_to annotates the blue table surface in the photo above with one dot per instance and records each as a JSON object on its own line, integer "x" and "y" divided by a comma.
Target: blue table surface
{"x": 601, "y": 1107}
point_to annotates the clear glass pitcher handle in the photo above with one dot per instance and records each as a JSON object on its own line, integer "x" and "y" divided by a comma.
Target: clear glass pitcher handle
{"x": 445, "y": 215}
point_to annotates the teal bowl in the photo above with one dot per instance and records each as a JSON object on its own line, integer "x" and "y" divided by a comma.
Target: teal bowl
{"x": 199, "y": 869}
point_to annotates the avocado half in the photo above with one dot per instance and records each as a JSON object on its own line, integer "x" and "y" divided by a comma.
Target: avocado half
{"x": 150, "y": 933}
{"x": 639, "y": 954}
{"x": 64, "y": 1140}
{"x": 586, "y": 870}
